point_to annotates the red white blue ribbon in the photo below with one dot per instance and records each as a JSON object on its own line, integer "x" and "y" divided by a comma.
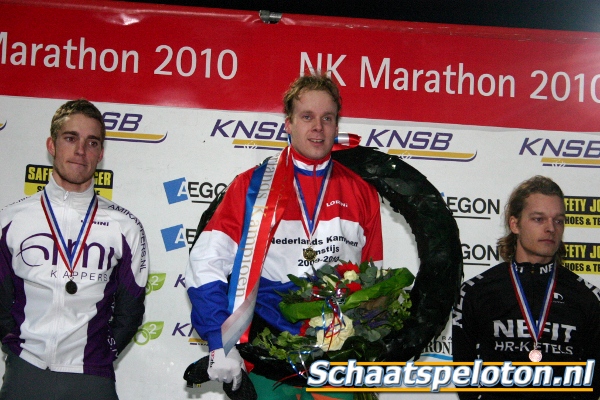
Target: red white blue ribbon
{"x": 69, "y": 257}
{"x": 345, "y": 140}
{"x": 310, "y": 221}
{"x": 535, "y": 330}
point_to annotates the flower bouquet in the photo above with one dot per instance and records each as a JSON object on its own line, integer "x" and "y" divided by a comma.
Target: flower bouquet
{"x": 347, "y": 310}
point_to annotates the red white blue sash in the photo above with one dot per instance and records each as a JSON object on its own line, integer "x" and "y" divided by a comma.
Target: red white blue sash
{"x": 69, "y": 257}
{"x": 266, "y": 199}
{"x": 535, "y": 330}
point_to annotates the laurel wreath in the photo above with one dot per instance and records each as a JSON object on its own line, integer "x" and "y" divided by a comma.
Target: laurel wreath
{"x": 437, "y": 283}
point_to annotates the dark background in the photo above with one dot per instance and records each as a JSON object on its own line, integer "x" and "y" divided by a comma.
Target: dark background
{"x": 574, "y": 15}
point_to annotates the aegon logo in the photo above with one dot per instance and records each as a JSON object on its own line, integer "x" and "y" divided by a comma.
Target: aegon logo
{"x": 441, "y": 349}
{"x": 198, "y": 192}
{"x": 478, "y": 208}
{"x": 563, "y": 153}
{"x": 423, "y": 145}
{"x": 123, "y": 127}
{"x": 268, "y": 135}
{"x": 480, "y": 254}
{"x": 176, "y": 237}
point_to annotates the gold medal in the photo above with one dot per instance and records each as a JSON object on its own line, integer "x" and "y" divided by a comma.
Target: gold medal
{"x": 535, "y": 355}
{"x": 309, "y": 254}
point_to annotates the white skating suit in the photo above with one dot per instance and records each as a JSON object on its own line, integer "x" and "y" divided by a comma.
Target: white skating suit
{"x": 42, "y": 323}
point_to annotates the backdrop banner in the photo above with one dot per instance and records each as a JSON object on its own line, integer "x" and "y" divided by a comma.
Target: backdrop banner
{"x": 191, "y": 97}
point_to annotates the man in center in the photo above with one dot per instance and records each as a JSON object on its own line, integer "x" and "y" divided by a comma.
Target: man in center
{"x": 322, "y": 213}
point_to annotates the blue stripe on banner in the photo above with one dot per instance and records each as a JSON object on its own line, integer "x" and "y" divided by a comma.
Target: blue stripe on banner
{"x": 233, "y": 328}
{"x": 253, "y": 189}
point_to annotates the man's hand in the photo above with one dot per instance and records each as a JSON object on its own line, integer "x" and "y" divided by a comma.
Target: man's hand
{"x": 225, "y": 368}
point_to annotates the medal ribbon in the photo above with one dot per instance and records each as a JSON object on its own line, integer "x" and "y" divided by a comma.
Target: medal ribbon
{"x": 534, "y": 330}
{"x": 265, "y": 202}
{"x": 70, "y": 258}
{"x": 307, "y": 219}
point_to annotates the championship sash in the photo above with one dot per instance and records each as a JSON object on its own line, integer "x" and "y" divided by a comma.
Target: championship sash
{"x": 266, "y": 199}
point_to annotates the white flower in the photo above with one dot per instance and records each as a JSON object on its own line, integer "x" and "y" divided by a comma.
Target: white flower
{"x": 382, "y": 272}
{"x": 350, "y": 276}
{"x": 337, "y": 332}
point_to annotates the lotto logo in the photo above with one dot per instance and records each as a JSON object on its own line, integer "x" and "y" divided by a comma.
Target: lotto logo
{"x": 174, "y": 237}
{"x": 176, "y": 190}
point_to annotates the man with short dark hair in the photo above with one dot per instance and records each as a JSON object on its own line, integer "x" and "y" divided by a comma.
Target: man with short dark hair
{"x": 529, "y": 308}
{"x": 73, "y": 271}
{"x": 321, "y": 213}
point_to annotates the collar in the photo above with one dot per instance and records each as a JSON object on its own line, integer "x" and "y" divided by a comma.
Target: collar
{"x": 537, "y": 269}
{"x": 78, "y": 200}
{"x": 306, "y": 165}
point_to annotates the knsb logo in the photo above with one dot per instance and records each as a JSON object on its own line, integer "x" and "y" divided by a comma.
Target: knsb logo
{"x": 187, "y": 330}
{"x": 440, "y": 349}
{"x": 583, "y": 258}
{"x": 38, "y": 176}
{"x": 176, "y": 237}
{"x": 155, "y": 282}
{"x": 477, "y": 208}
{"x": 255, "y": 134}
{"x": 3, "y": 125}
{"x": 563, "y": 153}
{"x": 124, "y": 127}
{"x": 419, "y": 145}
{"x": 198, "y": 192}
{"x": 480, "y": 254}
{"x": 180, "y": 281}
{"x": 582, "y": 212}
{"x": 149, "y": 331}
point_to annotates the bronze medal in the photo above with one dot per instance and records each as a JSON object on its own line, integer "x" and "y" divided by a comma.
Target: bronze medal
{"x": 535, "y": 355}
{"x": 309, "y": 254}
{"x": 71, "y": 287}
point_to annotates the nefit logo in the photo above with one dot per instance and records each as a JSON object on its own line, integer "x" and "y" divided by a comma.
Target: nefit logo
{"x": 155, "y": 282}
{"x": 255, "y": 134}
{"x": 149, "y": 331}
{"x": 419, "y": 145}
{"x": 563, "y": 153}
{"x": 180, "y": 189}
{"x": 124, "y": 127}
{"x": 176, "y": 237}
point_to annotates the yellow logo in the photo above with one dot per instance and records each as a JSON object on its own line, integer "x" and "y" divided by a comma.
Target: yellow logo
{"x": 37, "y": 176}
